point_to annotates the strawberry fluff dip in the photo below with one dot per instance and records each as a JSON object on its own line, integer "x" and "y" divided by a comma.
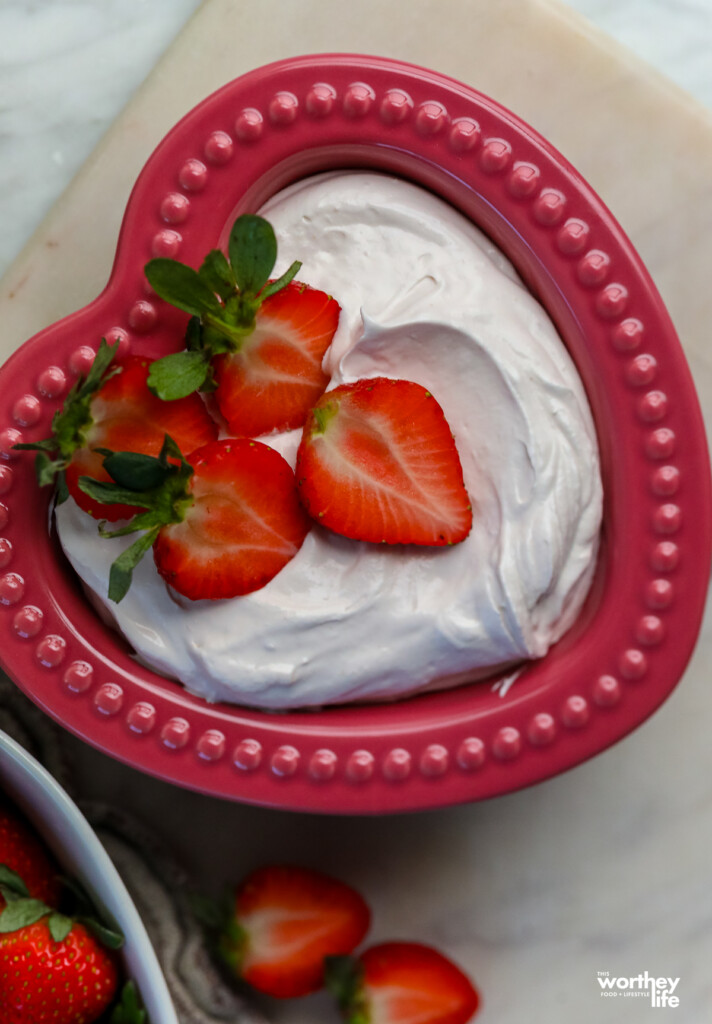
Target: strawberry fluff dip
{"x": 425, "y": 297}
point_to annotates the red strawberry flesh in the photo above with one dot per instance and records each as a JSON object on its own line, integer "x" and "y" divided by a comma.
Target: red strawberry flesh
{"x": 23, "y": 852}
{"x": 290, "y": 919}
{"x": 245, "y": 524}
{"x": 378, "y": 462}
{"x": 276, "y": 377}
{"x": 410, "y": 983}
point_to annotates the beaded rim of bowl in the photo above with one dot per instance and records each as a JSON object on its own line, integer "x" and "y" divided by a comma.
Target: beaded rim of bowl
{"x": 632, "y": 642}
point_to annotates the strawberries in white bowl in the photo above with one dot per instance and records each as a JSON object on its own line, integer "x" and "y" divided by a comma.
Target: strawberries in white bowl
{"x": 65, "y": 843}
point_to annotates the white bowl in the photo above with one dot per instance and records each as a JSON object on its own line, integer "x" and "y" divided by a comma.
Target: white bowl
{"x": 75, "y": 845}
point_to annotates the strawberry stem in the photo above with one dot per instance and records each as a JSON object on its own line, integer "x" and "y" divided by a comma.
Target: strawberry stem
{"x": 343, "y": 978}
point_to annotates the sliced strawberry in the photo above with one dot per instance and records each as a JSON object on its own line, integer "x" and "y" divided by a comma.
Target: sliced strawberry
{"x": 222, "y": 522}
{"x": 246, "y": 522}
{"x": 275, "y": 378}
{"x": 378, "y": 462}
{"x": 402, "y": 983}
{"x": 286, "y": 921}
{"x": 126, "y": 416}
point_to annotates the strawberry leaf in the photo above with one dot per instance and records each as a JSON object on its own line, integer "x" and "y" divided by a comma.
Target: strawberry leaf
{"x": 111, "y": 494}
{"x": 135, "y": 471}
{"x": 59, "y": 926}
{"x": 71, "y": 423}
{"x": 20, "y": 913}
{"x": 62, "y": 490}
{"x": 12, "y": 886}
{"x": 46, "y": 469}
{"x": 85, "y": 913}
{"x": 253, "y": 252}
{"x": 129, "y": 1010}
{"x": 276, "y": 286}
{"x": 182, "y": 286}
{"x": 179, "y": 374}
{"x": 217, "y": 274}
{"x": 122, "y": 568}
{"x": 109, "y": 937}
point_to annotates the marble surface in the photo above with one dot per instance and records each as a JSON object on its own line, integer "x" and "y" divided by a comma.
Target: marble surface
{"x": 68, "y": 68}
{"x": 606, "y": 868}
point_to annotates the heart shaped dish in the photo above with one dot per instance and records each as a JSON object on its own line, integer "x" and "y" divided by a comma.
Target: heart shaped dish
{"x": 629, "y": 645}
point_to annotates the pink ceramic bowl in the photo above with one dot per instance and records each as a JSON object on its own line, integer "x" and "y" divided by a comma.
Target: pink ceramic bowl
{"x": 632, "y": 642}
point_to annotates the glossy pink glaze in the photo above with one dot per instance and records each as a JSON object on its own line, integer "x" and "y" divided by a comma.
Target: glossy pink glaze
{"x": 631, "y": 644}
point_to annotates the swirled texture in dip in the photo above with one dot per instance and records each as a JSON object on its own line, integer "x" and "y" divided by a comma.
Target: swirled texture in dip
{"x": 427, "y": 297}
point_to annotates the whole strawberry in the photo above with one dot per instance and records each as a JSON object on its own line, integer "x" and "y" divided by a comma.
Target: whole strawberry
{"x": 52, "y": 974}
{"x": 23, "y": 852}
{"x": 283, "y": 922}
{"x": 401, "y": 983}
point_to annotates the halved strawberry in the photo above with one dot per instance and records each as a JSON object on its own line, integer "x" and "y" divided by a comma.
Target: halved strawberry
{"x": 401, "y": 983}
{"x": 285, "y": 921}
{"x": 378, "y": 462}
{"x": 275, "y": 378}
{"x": 112, "y": 408}
{"x": 260, "y": 342}
{"x": 222, "y": 522}
{"x": 126, "y": 416}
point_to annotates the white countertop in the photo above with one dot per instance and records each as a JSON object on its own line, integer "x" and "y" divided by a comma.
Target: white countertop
{"x": 606, "y": 868}
{"x": 68, "y": 68}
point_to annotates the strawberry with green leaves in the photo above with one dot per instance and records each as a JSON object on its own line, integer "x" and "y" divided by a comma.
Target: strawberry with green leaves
{"x": 54, "y": 969}
{"x": 222, "y": 522}
{"x": 23, "y": 853}
{"x": 401, "y": 983}
{"x": 259, "y": 344}
{"x": 378, "y": 462}
{"x": 112, "y": 407}
{"x": 282, "y": 923}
